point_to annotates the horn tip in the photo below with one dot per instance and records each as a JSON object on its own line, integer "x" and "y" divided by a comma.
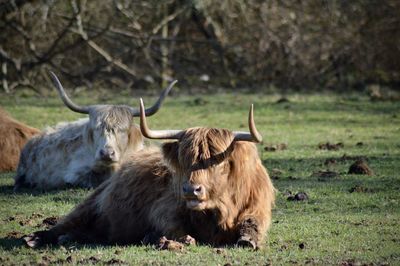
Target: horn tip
{"x": 141, "y": 104}
{"x": 53, "y": 75}
{"x": 171, "y": 85}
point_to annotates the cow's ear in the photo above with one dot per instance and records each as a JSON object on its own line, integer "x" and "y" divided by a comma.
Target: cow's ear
{"x": 135, "y": 137}
{"x": 170, "y": 152}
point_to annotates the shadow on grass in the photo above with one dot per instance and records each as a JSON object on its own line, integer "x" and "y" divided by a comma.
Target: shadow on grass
{"x": 9, "y": 243}
{"x": 9, "y": 190}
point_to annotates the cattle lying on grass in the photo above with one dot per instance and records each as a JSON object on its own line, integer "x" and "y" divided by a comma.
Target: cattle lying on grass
{"x": 13, "y": 136}
{"x": 210, "y": 184}
{"x": 85, "y": 152}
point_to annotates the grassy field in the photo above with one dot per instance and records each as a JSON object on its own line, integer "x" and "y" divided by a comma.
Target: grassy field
{"x": 347, "y": 220}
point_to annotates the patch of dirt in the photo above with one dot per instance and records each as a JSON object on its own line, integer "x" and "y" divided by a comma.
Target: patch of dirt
{"x": 283, "y": 247}
{"x": 359, "y": 189}
{"x": 299, "y": 196}
{"x": 352, "y": 262}
{"x": 276, "y": 173}
{"x": 302, "y": 246}
{"x": 344, "y": 158}
{"x": 9, "y": 219}
{"x": 276, "y": 147}
{"x": 68, "y": 260}
{"x": 282, "y": 100}
{"x": 50, "y": 221}
{"x": 287, "y": 193}
{"x": 115, "y": 261}
{"x": 36, "y": 215}
{"x": 46, "y": 260}
{"x": 30, "y": 221}
{"x": 26, "y": 222}
{"x": 14, "y": 235}
{"x": 220, "y": 251}
{"x": 331, "y": 146}
{"x": 310, "y": 261}
{"x": 325, "y": 175}
{"x": 330, "y": 161}
{"x": 359, "y": 144}
{"x": 199, "y": 101}
{"x": 91, "y": 260}
{"x": 360, "y": 167}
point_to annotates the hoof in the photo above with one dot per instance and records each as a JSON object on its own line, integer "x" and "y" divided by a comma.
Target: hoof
{"x": 187, "y": 240}
{"x": 39, "y": 239}
{"x": 31, "y": 241}
{"x": 245, "y": 242}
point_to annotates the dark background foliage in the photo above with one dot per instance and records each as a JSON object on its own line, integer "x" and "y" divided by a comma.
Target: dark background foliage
{"x": 287, "y": 44}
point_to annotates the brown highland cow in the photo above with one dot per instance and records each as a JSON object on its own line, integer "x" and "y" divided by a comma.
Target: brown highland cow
{"x": 209, "y": 184}
{"x": 13, "y": 136}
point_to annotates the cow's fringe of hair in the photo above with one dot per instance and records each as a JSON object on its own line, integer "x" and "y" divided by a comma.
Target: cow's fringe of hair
{"x": 248, "y": 178}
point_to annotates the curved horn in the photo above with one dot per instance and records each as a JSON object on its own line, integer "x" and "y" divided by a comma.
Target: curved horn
{"x": 152, "y": 110}
{"x": 156, "y": 134}
{"x": 64, "y": 97}
{"x": 254, "y": 135}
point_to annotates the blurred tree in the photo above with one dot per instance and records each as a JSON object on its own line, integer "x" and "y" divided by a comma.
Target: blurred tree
{"x": 315, "y": 44}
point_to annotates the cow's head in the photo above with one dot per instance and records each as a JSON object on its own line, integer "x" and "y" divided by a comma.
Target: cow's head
{"x": 110, "y": 131}
{"x": 202, "y": 160}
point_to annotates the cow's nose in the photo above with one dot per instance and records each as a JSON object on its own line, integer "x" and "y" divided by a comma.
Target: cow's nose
{"x": 107, "y": 154}
{"x": 190, "y": 189}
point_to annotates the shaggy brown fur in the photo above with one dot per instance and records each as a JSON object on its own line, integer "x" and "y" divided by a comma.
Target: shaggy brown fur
{"x": 145, "y": 196}
{"x": 13, "y": 136}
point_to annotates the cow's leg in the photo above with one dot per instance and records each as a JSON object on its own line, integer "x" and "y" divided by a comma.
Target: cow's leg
{"x": 40, "y": 238}
{"x": 19, "y": 182}
{"x": 75, "y": 226}
{"x": 82, "y": 225}
{"x": 248, "y": 234}
{"x": 69, "y": 227}
{"x": 152, "y": 238}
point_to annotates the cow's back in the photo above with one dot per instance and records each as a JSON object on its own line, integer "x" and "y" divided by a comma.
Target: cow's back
{"x": 13, "y": 136}
{"x": 49, "y": 157}
{"x": 133, "y": 192}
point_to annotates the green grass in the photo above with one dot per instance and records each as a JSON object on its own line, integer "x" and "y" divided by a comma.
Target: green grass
{"x": 335, "y": 226}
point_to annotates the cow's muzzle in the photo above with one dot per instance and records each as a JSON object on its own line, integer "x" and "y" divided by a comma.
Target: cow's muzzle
{"x": 193, "y": 190}
{"x": 194, "y": 196}
{"x": 107, "y": 155}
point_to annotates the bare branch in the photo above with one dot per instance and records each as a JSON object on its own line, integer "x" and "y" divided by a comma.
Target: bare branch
{"x": 116, "y": 62}
{"x": 4, "y": 79}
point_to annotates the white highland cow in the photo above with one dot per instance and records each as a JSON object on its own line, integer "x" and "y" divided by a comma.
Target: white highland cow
{"x": 82, "y": 153}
